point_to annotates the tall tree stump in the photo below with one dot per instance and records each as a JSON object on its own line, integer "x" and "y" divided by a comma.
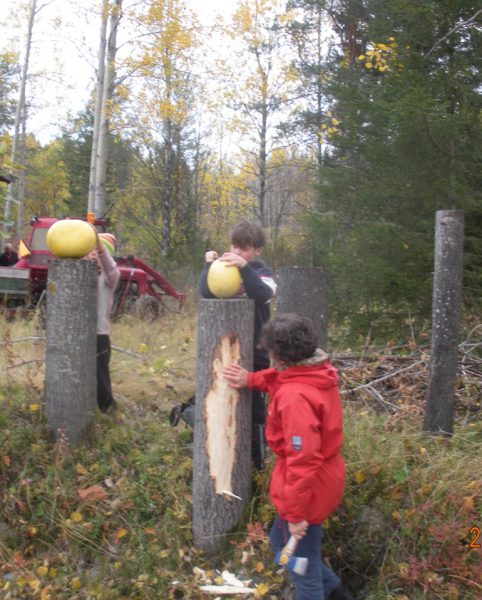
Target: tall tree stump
{"x": 446, "y": 315}
{"x": 70, "y": 375}
{"x": 304, "y": 290}
{"x": 222, "y": 429}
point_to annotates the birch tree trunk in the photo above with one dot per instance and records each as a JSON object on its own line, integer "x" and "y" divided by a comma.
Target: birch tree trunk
{"x": 446, "y": 316}
{"x": 98, "y": 106}
{"x": 70, "y": 376}
{"x": 304, "y": 290}
{"x": 222, "y": 430}
{"x": 16, "y": 188}
{"x": 107, "y": 94}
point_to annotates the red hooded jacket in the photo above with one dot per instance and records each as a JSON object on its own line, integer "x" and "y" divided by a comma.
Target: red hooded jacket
{"x": 304, "y": 430}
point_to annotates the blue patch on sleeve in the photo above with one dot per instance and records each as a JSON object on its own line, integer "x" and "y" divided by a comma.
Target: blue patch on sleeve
{"x": 297, "y": 442}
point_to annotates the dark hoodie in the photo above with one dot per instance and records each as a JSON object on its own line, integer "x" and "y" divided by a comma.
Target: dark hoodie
{"x": 258, "y": 284}
{"x": 304, "y": 430}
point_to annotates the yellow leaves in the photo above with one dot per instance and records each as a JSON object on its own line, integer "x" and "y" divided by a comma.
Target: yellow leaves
{"x": 360, "y": 477}
{"x": 259, "y": 567}
{"x": 34, "y": 408}
{"x": 76, "y": 583}
{"x": 261, "y": 590}
{"x": 119, "y": 534}
{"x": 80, "y": 469}
{"x": 76, "y": 517}
{"x": 45, "y": 593}
{"x": 243, "y": 19}
{"x": 34, "y": 584}
{"x": 468, "y": 505}
{"x": 379, "y": 56}
{"x": 42, "y": 571}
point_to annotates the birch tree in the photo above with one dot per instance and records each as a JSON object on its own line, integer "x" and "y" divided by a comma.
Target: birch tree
{"x": 164, "y": 110}
{"x": 106, "y": 82}
{"x": 259, "y": 89}
{"x": 98, "y": 105}
{"x": 17, "y": 186}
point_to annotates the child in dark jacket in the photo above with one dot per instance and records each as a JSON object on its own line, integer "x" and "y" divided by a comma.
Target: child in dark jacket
{"x": 247, "y": 244}
{"x": 304, "y": 430}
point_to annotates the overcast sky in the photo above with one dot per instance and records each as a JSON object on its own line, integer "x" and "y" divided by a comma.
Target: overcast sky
{"x": 72, "y": 48}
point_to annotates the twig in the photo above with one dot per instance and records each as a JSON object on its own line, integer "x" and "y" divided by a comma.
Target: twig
{"x": 26, "y": 362}
{"x": 24, "y": 339}
{"x": 379, "y": 397}
{"x": 129, "y": 352}
{"x": 453, "y": 30}
{"x": 366, "y": 385}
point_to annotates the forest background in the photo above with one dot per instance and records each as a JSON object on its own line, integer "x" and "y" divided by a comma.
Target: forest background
{"x": 341, "y": 126}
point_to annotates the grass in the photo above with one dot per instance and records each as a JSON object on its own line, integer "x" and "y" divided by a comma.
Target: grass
{"x": 113, "y": 520}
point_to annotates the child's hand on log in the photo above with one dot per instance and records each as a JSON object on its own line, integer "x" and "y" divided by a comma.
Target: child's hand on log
{"x": 236, "y": 375}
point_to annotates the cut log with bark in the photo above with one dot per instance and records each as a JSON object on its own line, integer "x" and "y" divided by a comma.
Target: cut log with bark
{"x": 70, "y": 370}
{"x": 446, "y": 316}
{"x": 222, "y": 429}
{"x": 304, "y": 290}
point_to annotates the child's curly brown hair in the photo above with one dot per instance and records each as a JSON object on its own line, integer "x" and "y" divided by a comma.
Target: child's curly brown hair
{"x": 290, "y": 338}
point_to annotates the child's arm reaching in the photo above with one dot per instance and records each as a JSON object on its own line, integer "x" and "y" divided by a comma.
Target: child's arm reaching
{"x": 236, "y": 375}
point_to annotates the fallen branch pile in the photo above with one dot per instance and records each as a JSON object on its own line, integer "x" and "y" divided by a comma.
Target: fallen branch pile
{"x": 396, "y": 383}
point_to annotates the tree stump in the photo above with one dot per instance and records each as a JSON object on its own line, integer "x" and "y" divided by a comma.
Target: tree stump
{"x": 70, "y": 374}
{"x": 446, "y": 315}
{"x": 304, "y": 290}
{"x": 222, "y": 429}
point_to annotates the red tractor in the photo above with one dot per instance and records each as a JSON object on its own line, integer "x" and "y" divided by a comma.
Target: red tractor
{"x": 141, "y": 290}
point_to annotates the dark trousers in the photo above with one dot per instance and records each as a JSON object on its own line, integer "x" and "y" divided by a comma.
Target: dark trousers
{"x": 319, "y": 580}
{"x": 258, "y": 418}
{"x": 104, "y": 388}
{"x": 257, "y": 429}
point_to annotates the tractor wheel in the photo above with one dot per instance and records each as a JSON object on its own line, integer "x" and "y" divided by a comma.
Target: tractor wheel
{"x": 147, "y": 308}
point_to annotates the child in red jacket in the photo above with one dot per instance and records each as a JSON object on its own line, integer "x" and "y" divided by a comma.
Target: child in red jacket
{"x": 304, "y": 430}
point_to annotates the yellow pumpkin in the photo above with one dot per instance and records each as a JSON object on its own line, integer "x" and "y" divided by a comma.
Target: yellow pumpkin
{"x": 71, "y": 238}
{"x": 224, "y": 281}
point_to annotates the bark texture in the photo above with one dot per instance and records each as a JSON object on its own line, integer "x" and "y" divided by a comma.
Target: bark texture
{"x": 446, "y": 315}
{"x": 222, "y": 430}
{"x": 304, "y": 290}
{"x": 70, "y": 377}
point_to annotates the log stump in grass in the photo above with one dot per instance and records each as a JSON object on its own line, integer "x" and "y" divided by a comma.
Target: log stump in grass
{"x": 222, "y": 429}
{"x": 70, "y": 370}
{"x": 446, "y": 317}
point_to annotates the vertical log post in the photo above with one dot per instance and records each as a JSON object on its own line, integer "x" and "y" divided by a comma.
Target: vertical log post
{"x": 70, "y": 374}
{"x": 304, "y": 290}
{"x": 222, "y": 430}
{"x": 446, "y": 315}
